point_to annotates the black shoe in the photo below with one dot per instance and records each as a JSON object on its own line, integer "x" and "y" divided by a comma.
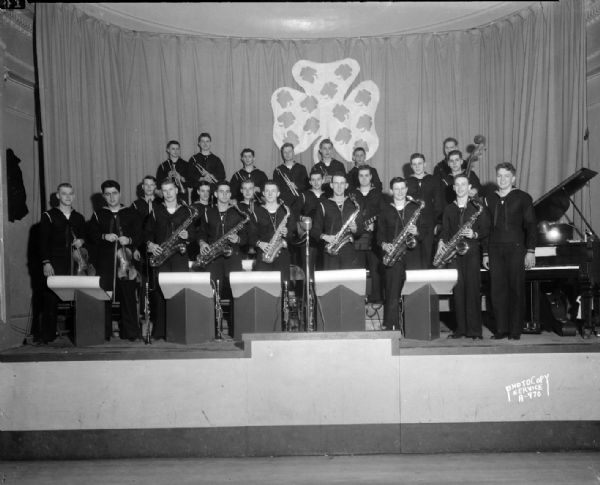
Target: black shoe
{"x": 455, "y": 335}
{"x": 499, "y": 336}
{"x": 514, "y": 337}
{"x": 477, "y": 337}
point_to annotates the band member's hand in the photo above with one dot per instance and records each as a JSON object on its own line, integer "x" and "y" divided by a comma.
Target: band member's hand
{"x": 206, "y": 178}
{"x": 441, "y": 246}
{"x": 327, "y": 179}
{"x": 263, "y": 246}
{"x": 529, "y": 260}
{"x": 184, "y": 234}
{"x": 158, "y": 193}
{"x": 486, "y": 262}
{"x": 473, "y": 192}
{"x": 293, "y": 185}
{"x": 468, "y": 233}
{"x": 233, "y": 202}
{"x": 233, "y": 238}
{"x": 353, "y": 227}
{"x": 111, "y": 237}
{"x": 413, "y": 229}
{"x": 77, "y": 243}
{"x": 387, "y": 247}
{"x": 123, "y": 240}
{"x": 155, "y": 249}
{"x": 437, "y": 229}
{"x": 371, "y": 227}
{"x": 48, "y": 270}
{"x": 284, "y": 232}
{"x": 204, "y": 247}
{"x": 136, "y": 255}
{"x": 328, "y": 238}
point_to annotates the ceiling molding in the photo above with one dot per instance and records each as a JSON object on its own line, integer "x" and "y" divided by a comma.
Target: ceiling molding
{"x": 308, "y": 20}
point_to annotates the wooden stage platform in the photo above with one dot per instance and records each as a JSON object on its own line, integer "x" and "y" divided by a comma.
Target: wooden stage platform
{"x": 283, "y": 394}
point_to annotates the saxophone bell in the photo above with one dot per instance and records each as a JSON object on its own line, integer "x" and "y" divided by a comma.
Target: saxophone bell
{"x": 462, "y": 247}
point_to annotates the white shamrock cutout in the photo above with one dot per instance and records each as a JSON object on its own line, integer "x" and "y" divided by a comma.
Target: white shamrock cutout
{"x": 321, "y": 111}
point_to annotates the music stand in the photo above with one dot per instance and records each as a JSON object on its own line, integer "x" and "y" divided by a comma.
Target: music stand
{"x": 90, "y": 307}
{"x": 257, "y": 301}
{"x": 190, "y": 307}
{"x": 421, "y": 292}
{"x": 341, "y": 294}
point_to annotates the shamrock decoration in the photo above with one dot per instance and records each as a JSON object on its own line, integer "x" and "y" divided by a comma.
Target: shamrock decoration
{"x": 321, "y": 111}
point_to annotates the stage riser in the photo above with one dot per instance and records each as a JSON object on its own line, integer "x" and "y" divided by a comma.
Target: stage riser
{"x": 313, "y": 396}
{"x": 301, "y": 440}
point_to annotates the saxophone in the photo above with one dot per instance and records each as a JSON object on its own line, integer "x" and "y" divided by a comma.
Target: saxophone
{"x": 404, "y": 240}
{"x": 221, "y": 246}
{"x": 276, "y": 242}
{"x": 457, "y": 244}
{"x": 173, "y": 244}
{"x": 344, "y": 235}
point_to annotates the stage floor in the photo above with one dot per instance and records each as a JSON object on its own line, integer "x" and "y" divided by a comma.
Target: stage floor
{"x": 116, "y": 349}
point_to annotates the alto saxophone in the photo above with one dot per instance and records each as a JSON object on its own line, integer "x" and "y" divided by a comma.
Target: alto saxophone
{"x": 457, "y": 244}
{"x": 174, "y": 244}
{"x": 276, "y": 242}
{"x": 344, "y": 235}
{"x": 221, "y": 246}
{"x": 404, "y": 240}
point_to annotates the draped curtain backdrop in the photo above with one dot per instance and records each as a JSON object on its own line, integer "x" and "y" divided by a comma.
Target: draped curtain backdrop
{"x": 112, "y": 98}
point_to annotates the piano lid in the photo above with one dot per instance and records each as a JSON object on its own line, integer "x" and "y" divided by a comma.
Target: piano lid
{"x": 553, "y": 204}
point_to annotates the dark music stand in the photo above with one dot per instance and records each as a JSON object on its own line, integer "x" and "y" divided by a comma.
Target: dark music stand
{"x": 257, "y": 302}
{"x": 190, "y": 307}
{"x": 341, "y": 295}
{"x": 90, "y": 307}
{"x": 421, "y": 292}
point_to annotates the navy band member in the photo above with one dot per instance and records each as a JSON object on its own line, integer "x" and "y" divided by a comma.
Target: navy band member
{"x": 467, "y": 291}
{"x": 291, "y": 177}
{"x": 249, "y": 172}
{"x": 176, "y": 168}
{"x": 328, "y": 165}
{"x": 268, "y": 218}
{"x": 511, "y": 250}
{"x": 424, "y": 186}
{"x": 371, "y": 200}
{"x": 117, "y": 231}
{"x": 332, "y": 214}
{"x": 62, "y": 230}
{"x": 394, "y": 217}
{"x": 159, "y": 228}
{"x": 205, "y": 165}
{"x": 455, "y": 164}
{"x": 359, "y": 157}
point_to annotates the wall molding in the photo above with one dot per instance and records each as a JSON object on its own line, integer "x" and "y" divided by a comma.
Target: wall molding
{"x": 18, "y": 21}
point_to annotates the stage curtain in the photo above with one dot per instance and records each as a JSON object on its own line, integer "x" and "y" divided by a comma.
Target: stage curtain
{"x": 112, "y": 98}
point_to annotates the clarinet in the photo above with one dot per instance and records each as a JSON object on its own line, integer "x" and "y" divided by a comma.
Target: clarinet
{"x": 218, "y": 309}
{"x": 286, "y": 308}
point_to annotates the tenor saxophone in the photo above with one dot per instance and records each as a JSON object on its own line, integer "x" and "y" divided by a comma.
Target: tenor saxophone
{"x": 404, "y": 240}
{"x": 457, "y": 244}
{"x": 344, "y": 235}
{"x": 221, "y": 246}
{"x": 174, "y": 244}
{"x": 276, "y": 242}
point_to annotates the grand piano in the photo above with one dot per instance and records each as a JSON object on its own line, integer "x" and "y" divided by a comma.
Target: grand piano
{"x": 564, "y": 286}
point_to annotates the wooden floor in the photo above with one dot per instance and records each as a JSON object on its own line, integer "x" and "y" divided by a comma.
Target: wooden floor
{"x": 499, "y": 468}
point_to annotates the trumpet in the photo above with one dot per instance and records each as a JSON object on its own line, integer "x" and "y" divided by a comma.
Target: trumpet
{"x": 175, "y": 176}
{"x": 291, "y": 185}
{"x": 210, "y": 178}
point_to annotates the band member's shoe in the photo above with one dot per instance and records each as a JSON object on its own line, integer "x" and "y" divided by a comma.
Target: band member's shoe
{"x": 455, "y": 335}
{"x": 499, "y": 336}
{"x": 514, "y": 337}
